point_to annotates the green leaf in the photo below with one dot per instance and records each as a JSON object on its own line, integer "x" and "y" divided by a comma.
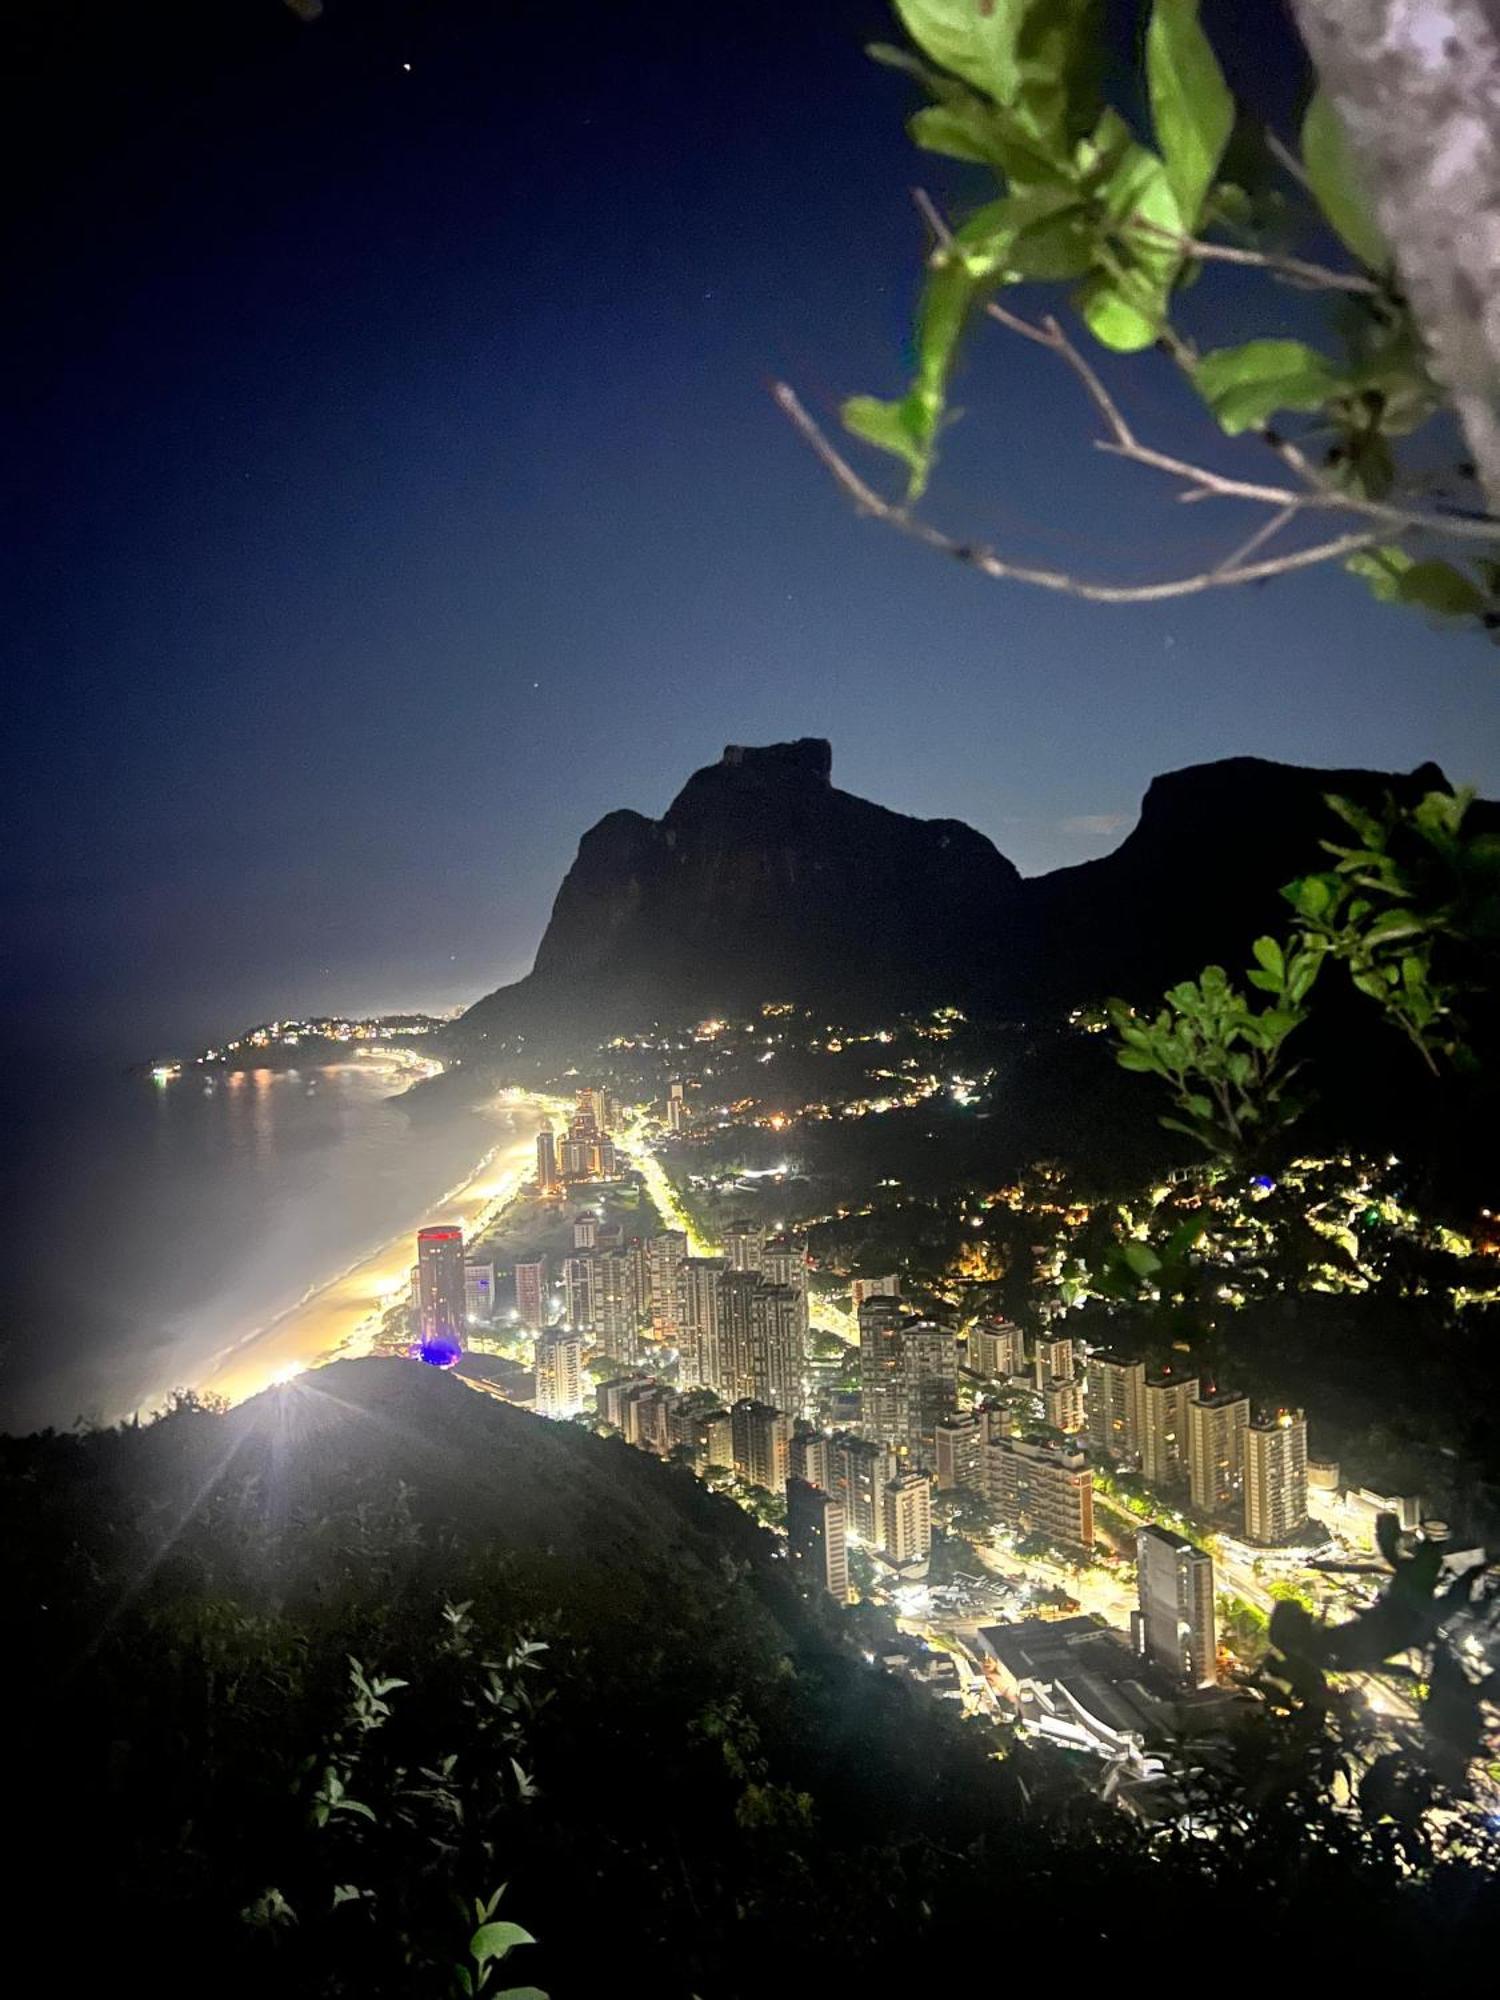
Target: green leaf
{"x": 1381, "y": 569}
{"x": 1124, "y": 301}
{"x": 1191, "y": 109}
{"x": 495, "y": 1940}
{"x": 975, "y": 39}
{"x": 941, "y": 128}
{"x": 1140, "y": 1258}
{"x": 1438, "y": 586}
{"x": 1042, "y": 233}
{"x": 1244, "y": 386}
{"x": 522, "y": 1993}
{"x": 1267, "y": 952}
{"x": 1331, "y": 173}
{"x": 891, "y": 426}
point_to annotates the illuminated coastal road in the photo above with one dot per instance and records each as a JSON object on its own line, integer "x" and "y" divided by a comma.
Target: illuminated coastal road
{"x": 340, "y": 1317}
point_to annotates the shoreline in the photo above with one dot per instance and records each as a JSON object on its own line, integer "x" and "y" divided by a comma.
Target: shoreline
{"x": 337, "y": 1318}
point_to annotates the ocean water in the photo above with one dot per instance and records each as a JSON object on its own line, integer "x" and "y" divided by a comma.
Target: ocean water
{"x": 151, "y": 1227}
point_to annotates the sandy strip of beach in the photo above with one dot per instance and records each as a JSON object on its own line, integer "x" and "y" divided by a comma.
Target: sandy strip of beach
{"x": 341, "y": 1316}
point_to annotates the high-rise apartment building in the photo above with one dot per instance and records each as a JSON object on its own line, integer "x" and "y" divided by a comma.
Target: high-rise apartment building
{"x": 906, "y": 1520}
{"x": 546, "y": 1161}
{"x": 1051, "y": 1359}
{"x": 888, "y": 1287}
{"x": 908, "y": 1374}
{"x": 816, "y": 1540}
{"x": 479, "y": 1294}
{"x": 616, "y": 1303}
{"x": 587, "y": 1153}
{"x": 812, "y": 1456}
{"x": 958, "y": 1455}
{"x": 1116, "y": 1405}
{"x": 996, "y": 1349}
{"x": 733, "y": 1296}
{"x": 665, "y": 1255}
{"x": 442, "y": 1301}
{"x": 762, "y": 1444}
{"x": 1275, "y": 1476}
{"x": 716, "y": 1430}
{"x": 1066, "y": 1405}
{"x": 597, "y": 1106}
{"x": 1164, "y": 1439}
{"x": 559, "y": 1372}
{"x": 744, "y": 1245}
{"x": 1217, "y": 1422}
{"x": 648, "y": 1417}
{"x": 882, "y": 1376}
{"x": 862, "y": 1469}
{"x": 776, "y": 1354}
{"x": 1175, "y": 1623}
{"x": 929, "y": 1363}
{"x": 703, "y": 1366}
{"x": 578, "y": 1291}
{"x": 784, "y": 1262}
{"x": 531, "y": 1295}
{"x": 585, "y": 1229}
{"x": 1041, "y": 1488}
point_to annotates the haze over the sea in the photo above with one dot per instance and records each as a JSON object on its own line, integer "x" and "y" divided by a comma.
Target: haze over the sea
{"x": 161, "y": 1224}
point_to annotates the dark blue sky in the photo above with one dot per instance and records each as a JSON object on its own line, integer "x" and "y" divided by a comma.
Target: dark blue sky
{"x": 396, "y": 490}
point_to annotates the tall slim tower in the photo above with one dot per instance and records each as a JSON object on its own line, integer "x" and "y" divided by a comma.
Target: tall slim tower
{"x": 1176, "y": 1615}
{"x": 1116, "y": 1405}
{"x": 1275, "y": 1476}
{"x": 546, "y": 1161}
{"x": 882, "y": 1374}
{"x": 531, "y": 1294}
{"x": 816, "y": 1539}
{"x": 1164, "y": 1437}
{"x": 442, "y": 1301}
{"x": 1217, "y": 1421}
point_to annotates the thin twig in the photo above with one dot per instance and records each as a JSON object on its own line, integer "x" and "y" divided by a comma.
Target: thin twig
{"x": 1296, "y": 270}
{"x": 1262, "y": 535}
{"x": 1283, "y": 155}
{"x": 927, "y": 208}
{"x": 1318, "y": 495}
{"x": 985, "y": 560}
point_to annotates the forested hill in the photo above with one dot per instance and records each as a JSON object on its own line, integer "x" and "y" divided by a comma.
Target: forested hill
{"x": 296, "y": 1688}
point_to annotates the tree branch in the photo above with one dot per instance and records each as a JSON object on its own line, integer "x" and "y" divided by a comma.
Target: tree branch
{"x": 1316, "y": 496}
{"x": 988, "y": 563}
{"x": 1296, "y": 270}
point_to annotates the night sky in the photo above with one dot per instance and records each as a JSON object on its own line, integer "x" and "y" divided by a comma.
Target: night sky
{"x": 396, "y": 490}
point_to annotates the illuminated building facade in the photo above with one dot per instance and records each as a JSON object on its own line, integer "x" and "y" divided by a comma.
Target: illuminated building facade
{"x": 815, "y": 1539}
{"x": 1116, "y": 1406}
{"x": 1275, "y": 1476}
{"x": 1217, "y": 1422}
{"x": 1164, "y": 1437}
{"x": 996, "y": 1349}
{"x": 958, "y": 1455}
{"x": 1041, "y": 1488}
{"x": 531, "y": 1295}
{"x": 906, "y": 1520}
{"x": 479, "y": 1294}
{"x": 1175, "y": 1622}
{"x": 559, "y": 1372}
{"x": 762, "y": 1444}
{"x": 442, "y": 1296}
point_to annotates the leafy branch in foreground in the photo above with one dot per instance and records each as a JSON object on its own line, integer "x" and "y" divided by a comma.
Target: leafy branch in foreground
{"x": 1225, "y": 1059}
{"x": 1085, "y": 204}
{"x": 1412, "y": 894}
